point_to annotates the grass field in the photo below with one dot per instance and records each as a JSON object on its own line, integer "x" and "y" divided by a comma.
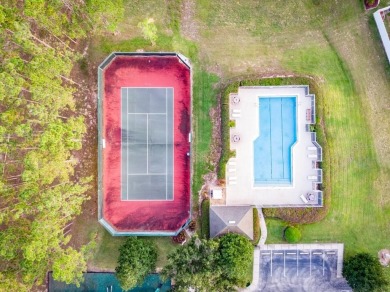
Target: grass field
{"x": 313, "y": 38}
{"x": 333, "y": 41}
{"x": 107, "y": 252}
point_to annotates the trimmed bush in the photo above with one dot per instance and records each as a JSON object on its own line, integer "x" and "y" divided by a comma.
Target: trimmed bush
{"x": 256, "y": 226}
{"x": 205, "y": 219}
{"x": 292, "y": 234}
{"x": 192, "y": 225}
{"x": 180, "y": 238}
{"x": 232, "y": 123}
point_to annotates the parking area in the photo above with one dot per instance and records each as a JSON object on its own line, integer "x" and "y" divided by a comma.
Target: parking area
{"x": 310, "y": 267}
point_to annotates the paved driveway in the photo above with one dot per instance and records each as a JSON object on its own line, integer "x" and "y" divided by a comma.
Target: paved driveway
{"x": 300, "y": 268}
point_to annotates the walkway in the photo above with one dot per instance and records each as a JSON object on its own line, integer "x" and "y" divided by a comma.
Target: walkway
{"x": 263, "y": 227}
{"x": 256, "y": 254}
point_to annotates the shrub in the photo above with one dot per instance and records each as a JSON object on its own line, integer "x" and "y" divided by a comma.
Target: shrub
{"x": 256, "y": 226}
{"x": 205, "y": 217}
{"x": 192, "y": 225}
{"x": 180, "y": 238}
{"x": 232, "y": 123}
{"x": 369, "y": 2}
{"x": 292, "y": 234}
{"x": 225, "y": 129}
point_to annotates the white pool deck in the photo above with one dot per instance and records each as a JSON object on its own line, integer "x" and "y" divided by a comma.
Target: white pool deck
{"x": 240, "y": 189}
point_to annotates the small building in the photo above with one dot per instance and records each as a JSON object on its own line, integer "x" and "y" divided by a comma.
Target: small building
{"x": 236, "y": 219}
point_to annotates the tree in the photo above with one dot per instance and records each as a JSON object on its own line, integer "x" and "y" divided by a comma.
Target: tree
{"x": 137, "y": 258}
{"x": 149, "y": 30}
{"x": 364, "y": 273}
{"x": 210, "y": 265}
{"x": 39, "y": 192}
{"x": 292, "y": 234}
{"x": 235, "y": 254}
{"x": 194, "y": 265}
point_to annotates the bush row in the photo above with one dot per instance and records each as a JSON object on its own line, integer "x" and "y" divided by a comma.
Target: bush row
{"x": 205, "y": 219}
{"x": 256, "y": 226}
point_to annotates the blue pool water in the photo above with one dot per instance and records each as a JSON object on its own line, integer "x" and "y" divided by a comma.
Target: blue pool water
{"x": 272, "y": 149}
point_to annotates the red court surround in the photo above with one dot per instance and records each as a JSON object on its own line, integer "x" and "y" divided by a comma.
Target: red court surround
{"x": 145, "y": 216}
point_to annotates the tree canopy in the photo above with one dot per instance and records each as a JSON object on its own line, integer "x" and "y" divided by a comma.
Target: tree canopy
{"x": 40, "y": 130}
{"x": 210, "y": 265}
{"x": 235, "y": 252}
{"x": 364, "y": 273}
{"x": 137, "y": 258}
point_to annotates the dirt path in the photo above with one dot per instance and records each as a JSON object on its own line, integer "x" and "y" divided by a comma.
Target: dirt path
{"x": 189, "y": 26}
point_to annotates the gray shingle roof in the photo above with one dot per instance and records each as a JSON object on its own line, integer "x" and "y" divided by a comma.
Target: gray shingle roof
{"x": 237, "y": 219}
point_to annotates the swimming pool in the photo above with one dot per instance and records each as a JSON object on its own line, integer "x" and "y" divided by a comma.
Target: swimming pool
{"x": 272, "y": 149}
{"x": 103, "y": 282}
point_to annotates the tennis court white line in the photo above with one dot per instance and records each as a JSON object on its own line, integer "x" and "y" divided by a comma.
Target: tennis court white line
{"x": 166, "y": 143}
{"x": 154, "y": 87}
{"x": 147, "y": 143}
{"x": 127, "y": 150}
{"x": 139, "y": 113}
{"x": 173, "y": 140}
{"x": 157, "y": 173}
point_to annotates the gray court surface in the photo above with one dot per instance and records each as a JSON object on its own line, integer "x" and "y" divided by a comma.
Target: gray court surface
{"x": 300, "y": 270}
{"x": 147, "y": 143}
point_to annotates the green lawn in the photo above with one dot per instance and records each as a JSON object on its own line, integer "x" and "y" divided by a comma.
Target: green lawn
{"x": 331, "y": 41}
{"x": 107, "y": 252}
{"x": 333, "y": 45}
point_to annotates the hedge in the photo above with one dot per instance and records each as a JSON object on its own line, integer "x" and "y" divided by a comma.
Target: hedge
{"x": 256, "y": 226}
{"x": 205, "y": 219}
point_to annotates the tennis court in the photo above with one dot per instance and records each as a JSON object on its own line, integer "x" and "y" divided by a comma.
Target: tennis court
{"x": 147, "y": 143}
{"x": 144, "y": 115}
